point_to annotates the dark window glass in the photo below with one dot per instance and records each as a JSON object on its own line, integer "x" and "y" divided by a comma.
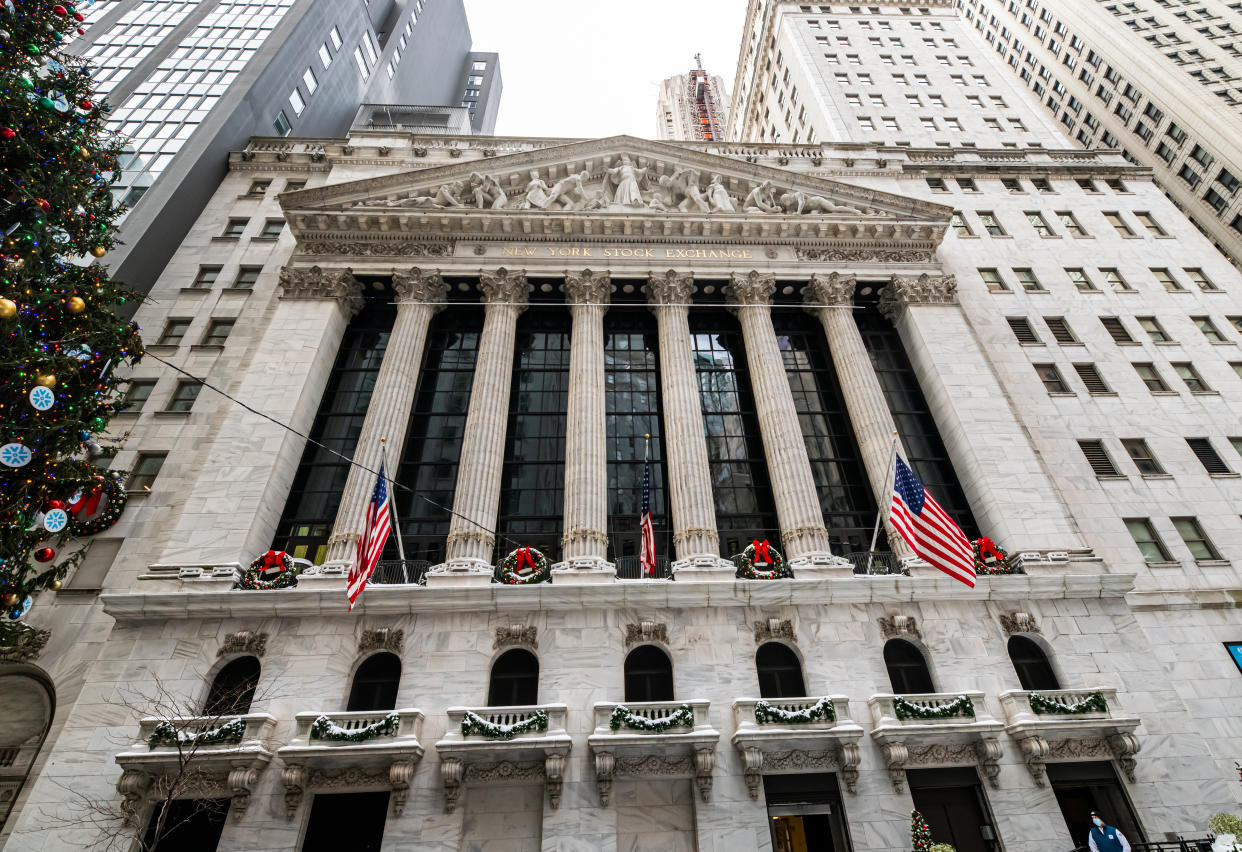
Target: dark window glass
{"x": 186, "y": 825}
{"x": 648, "y": 675}
{"x": 375, "y": 683}
{"x": 740, "y": 486}
{"x": 780, "y": 672}
{"x": 316, "y": 492}
{"x": 353, "y": 821}
{"x": 515, "y": 680}
{"x": 1031, "y": 664}
{"x": 907, "y": 669}
{"x": 183, "y": 396}
{"x": 137, "y": 394}
{"x": 233, "y": 689}
{"x": 433, "y": 442}
{"x": 247, "y": 276}
{"x": 146, "y": 469}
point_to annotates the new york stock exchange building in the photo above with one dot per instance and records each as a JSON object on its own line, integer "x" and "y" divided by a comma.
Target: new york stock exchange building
{"x": 514, "y": 327}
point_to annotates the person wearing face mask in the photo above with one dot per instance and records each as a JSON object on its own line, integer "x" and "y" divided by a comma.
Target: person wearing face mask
{"x": 1105, "y": 838}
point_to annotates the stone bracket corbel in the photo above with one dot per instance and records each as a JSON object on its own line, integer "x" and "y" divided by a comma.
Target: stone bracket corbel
{"x": 451, "y": 770}
{"x": 704, "y": 763}
{"x": 554, "y": 777}
{"x": 133, "y": 785}
{"x": 988, "y": 750}
{"x": 752, "y": 770}
{"x": 399, "y": 775}
{"x": 605, "y": 769}
{"x": 294, "y": 779}
{"x": 1124, "y": 746}
{"x": 1035, "y": 751}
{"x": 849, "y": 756}
{"x": 896, "y": 756}
{"x": 241, "y": 781}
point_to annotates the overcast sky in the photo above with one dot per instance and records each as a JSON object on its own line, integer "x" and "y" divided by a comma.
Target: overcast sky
{"x": 589, "y": 68}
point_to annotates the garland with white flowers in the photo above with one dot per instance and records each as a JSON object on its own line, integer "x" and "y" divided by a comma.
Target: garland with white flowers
{"x": 165, "y": 733}
{"x": 960, "y": 706}
{"x": 324, "y": 728}
{"x": 683, "y": 717}
{"x": 765, "y": 713}
{"x": 1093, "y": 703}
{"x": 476, "y": 724}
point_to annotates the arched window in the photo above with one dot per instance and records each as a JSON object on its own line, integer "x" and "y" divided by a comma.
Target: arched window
{"x": 648, "y": 675}
{"x": 907, "y": 668}
{"x": 515, "y": 679}
{"x": 1031, "y": 664}
{"x": 375, "y": 683}
{"x": 780, "y": 672}
{"x": 233, "y": 689}
{"x": 27, "y": 704}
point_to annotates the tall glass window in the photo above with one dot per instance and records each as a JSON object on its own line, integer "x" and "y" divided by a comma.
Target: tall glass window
{"x": 433, "y": 440}
{"x": 316, "y": 493}
{"x": 532, "y": 489}
{"x": 740, "y": 486}
{"x": 632, "y": 402}
{"x": 844, "y": 493}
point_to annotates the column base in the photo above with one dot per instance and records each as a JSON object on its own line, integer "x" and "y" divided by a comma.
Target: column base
{"x": 704, "y": 568}
{"x": 583, "y": 571}
{"x": 820, "y": 566}
{"x": 459, "y": 573}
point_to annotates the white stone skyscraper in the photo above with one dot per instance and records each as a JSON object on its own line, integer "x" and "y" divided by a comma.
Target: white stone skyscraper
{"x": 692, "y": 107}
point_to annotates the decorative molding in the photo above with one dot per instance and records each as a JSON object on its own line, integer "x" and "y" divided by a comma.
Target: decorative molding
{"x": 829, "y": 291}
{"x": 24, "y": 643}
{"x": 988, "y": 753}
{"x": 504, "y": 770}
{"x": 243, "y": 642}
{"x": 750, "y": 288}
{"x": 871, "y": 255}
{"x": 645, "y": 632}
{"x": 1035, "y": 753}
{"x": 383, "y": 639}
{"x": 1124, "y": 746}
{"x": 364, "y": 248}
{"x": 504, "y": 286}
{"x": 420, "y": 285}
{"x": 844, "y": 758}
{"x": 486, "y": 539}
{"x": 985, "y": 753}
{"x": 587, "y": 287}
{"x": 670, "y": 288}
{"x": 898, "y": 626}
{"x": 451, "y": 771}
{"x": 1018, "y": 622}
{"x": 605, "y": 769}
{"x": 583, "y": 534}
{"x": 318, "y": 283}
{"x": 904, "y": 291}
{"x": 1078, "y": 749}
{"x": 774, "y": 628}
{"x": 516, "y": 634}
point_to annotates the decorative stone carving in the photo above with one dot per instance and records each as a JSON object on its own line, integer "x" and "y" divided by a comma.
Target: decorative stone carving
{"x": 843, "y": 255}
{"x": 384, "y": 150}
{"x": 133, "y": 785}
{"x": 773, "y": 628}
{"x": 849, "y": 756}
{"x": 752, "y": 770}
{"x": 350, "y": 778}
{"x": 605, "y": 768}
{"x": 654, "y": 765}
{"x": 516, "y": 634}
{"x": 243, "y": 642}
{"x": 347, "y": 150}
{"x": 293, "y": 778}
{"x": 503, "y": 770}
{"x": 762, "y": 199}
{"x": 899, "y": 625}
{"x": 670, "y": 288}
{"x": 988, "y": 753}
{"x": 829, "y": 290}
{"x": 645, "y": 632}
{"x": 568, "y": 193}
{"x": 383, "y": 639}
{"x": 318, "y": 283}
{"x": 1018, "y": 622}
{"x": 403, "y": 248}
{"x": 23, "y": 642}
{"x": 489, "y": 152}
{"x": 1124, "y": 746}
{"x": 896, "y": 756}
{"x": 1078, "y": 749}
{"x": 554, "y": 776}
{"x": 419, "y": 285}
{"x": 318, "y": 156}
{"x": 1035, "y": 752}
{"x": 450, "y": 775}
{"x": 420, "y": 151}
{"x": 455, "y": 153}
{"x": 905, "y": 290}
{"x": 704, "y": 763}
{"x": 623, "y": 183}
{"x": 751, "y": 288}
{"x": 504, "y": 286}
{"x": 984, "y": 752}
{"x": 587, "y": 287}
{"x": 399, "y": 775}
{"x": 844, "y": 759}
{"x": 801, "y": 203}
{"x": 241, "y": 781}
{"x": 486, "y": 192}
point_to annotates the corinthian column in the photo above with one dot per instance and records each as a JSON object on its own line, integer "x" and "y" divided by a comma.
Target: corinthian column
{"x": 584, "y": 545}
{"x": 689, "y": 476}
{"x": 793, "y": 487}
{"x": 476, "y": 500}
{"x": 419, "y": 293}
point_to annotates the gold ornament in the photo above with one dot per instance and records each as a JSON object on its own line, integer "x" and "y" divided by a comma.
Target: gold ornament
{"x": 76, "y": 305}
{"x": 99, "y": 251}
{"x": 8, "y": 309}
{"x": 11, "y": 600}
{"x": 55, "y": 587}
{"x": 17, "y": 262}
{"x": 48, "y": 380}
{"x": 84, "y": 153}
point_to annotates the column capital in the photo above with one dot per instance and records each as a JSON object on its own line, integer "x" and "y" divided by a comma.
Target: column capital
{"x": 751, "y": 288}
{"x": 318, "y": 283}
{"x": 587, "y": 287}
{"x": 504, "y": 285}
{"x": 906, "y": 290}
{"x": 670, "y": 288}
{"x": 827, "y": 291}
{"x": 420, "y": 285}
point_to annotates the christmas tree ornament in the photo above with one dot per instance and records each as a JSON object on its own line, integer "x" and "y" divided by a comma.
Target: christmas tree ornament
{"x": 47, "y": 380}
{"x": 76, "y": 305}
{"x": 59, "y": 11}
{"x": 21, "y": 609}
{"x": 8, "y": 133}
{"x": 55, "y": 585}
{"x": 15, "y": 455}
{"x": 8, "y": 309}
{"x": 56, "y": 520}
{"x": 44, "y": 554}
{"x": 85, "y": 103}
{"x": 11, "y": 600}
{"x": 43, "y": 205}
{"x": 99, "y": 251}
{"x": 41, "y": 398}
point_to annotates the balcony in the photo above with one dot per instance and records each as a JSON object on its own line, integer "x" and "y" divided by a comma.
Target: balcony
{"x": 796, "y": 735}
{"x": 1070, "y": 724}
{"x": 506, "y": 744}
{"x": 373, "y": 749}
{"x": 230, "y": 751}
{"x": 669, "y": 739}
{"x": 935, "y": 729}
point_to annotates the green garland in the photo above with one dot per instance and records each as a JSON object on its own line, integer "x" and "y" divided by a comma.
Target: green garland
{"x": 683, "y": 717}
{"x": 746, "y": 569}
{"x": 324, "y": 728}
{"x": 766, "y": 714}
{"x": 165, "y": 733}
{"x": 117, "y": 497}
{"x": 1005, "y": 565}
{"x": 476, "y": 724}
{"x": 507, "y": 570}
{"x": 960, "y": 706}
{"x": 1093, "y": 703}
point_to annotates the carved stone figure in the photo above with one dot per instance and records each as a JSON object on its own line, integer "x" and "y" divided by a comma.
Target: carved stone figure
{"x": 718, "y": 197}
{"x": 623, "y": 184}
{"x": 762, "y": 199}
{"x": 413, "y": 201}
{"x": 799, "y": 202}
{"x": 487, "y": 192}
{"x": 568, "y": 192}
{"x": 536, "y": 194}
{"x": 450, "y": 194}
{"x": 680, "y": 191}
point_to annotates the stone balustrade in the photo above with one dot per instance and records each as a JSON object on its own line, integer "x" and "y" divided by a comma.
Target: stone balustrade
{"x": 1070, "y": 724}
{"x": 782, "y": 735}
{"x": 669, "y": 739}
{"x": 935, "y": 730}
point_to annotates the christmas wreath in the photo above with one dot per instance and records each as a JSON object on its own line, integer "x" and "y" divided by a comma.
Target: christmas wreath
{"x": 272, "y": 570}
{"x": 766, "y": 714}
{"x": 960, "y": 706}
{"x": 522, "y": 567}
{"x": 762, "y": 561}
{"x": 990, "y": 559}
{"x": 1093, "y": 703}
{"x": 89, "y": 516}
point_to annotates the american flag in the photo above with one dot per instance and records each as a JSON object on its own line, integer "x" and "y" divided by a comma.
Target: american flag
{"x": 374, "y": 534}
{"x": 648, "y": 556}
{"x": 928, "y": 529}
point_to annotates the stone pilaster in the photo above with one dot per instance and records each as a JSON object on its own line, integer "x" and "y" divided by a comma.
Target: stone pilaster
{"x": 831, "y": 299}
{"x": 693, "y": 510}
{"x": 793, "y": 486}
{"x": 476, "y": 501}
{"x": 419, "y": 294}
{"x": 584, "y": 545}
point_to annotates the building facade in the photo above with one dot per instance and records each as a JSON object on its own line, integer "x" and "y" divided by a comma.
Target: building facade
{"x": 692, "y": 107}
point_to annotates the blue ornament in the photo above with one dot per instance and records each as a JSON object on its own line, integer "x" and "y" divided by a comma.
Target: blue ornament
{"x": 22, "y": 609}
{"x": 15, "y": 455}
{"x": 59, "y": 102}
{"x": 55, "y": 520}
{"x": 41, "y": 398}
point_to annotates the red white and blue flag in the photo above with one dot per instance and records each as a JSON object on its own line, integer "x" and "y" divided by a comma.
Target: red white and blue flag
{"x": 374, "y": 535}
{"x": 648, "y": 555}
{"x": 928, "y": 529}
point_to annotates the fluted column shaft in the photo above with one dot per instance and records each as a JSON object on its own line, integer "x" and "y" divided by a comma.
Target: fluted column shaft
{"x": 388, "y": 414}
{"x": 689, "y": 475}
{"x": 586, "y": 479}
{"x": 476, "y": 500}
{"x": 789, "y": 467}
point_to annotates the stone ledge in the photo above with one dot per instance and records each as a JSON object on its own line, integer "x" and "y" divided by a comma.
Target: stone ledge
{"x": 1181, "y": 599}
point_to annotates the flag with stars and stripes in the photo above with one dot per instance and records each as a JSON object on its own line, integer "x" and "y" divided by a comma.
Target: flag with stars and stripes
{"x": 374, "y": 534}
{"x": 928, "y": 529}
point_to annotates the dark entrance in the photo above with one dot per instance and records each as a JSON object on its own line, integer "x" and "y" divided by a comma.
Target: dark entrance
{"x": 805, "y": 813}
{"x": 1085, "y": 787}
{"x": 190, "y": 825}
{"x": 353, "y": 821}
{"x": 952, "y": 800}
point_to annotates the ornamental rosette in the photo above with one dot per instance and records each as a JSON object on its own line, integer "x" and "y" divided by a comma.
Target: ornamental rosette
{"x": 524, "y": 567}
{"x": 762, "y": 561}
{"x": 273, "y": 570}
{"x": 990, "y": 559}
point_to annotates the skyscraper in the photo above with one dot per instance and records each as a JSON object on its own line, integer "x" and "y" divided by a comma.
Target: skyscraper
{"x": 692, "y": 107}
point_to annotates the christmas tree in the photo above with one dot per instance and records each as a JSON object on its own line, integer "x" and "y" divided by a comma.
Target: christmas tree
{"x": 61, "y": 340}
{"x": 920, "y": 834}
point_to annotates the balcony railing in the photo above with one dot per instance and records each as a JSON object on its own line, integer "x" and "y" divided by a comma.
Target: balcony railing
{"x": 1202, "y": 844}
{"x": 631, "y": 568}
{"x": 771, "y": 734}
{"x": 959, "y": 720}
{"x": 644, "y": 738}
{"x": 1038, "y": 720}
{"x": 411, "y": 572}
{"x": 879, "y": 562}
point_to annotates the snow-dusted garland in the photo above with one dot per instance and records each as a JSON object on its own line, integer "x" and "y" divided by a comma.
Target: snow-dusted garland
{"x": 165, "y": 733}
{"x": 765, "y": 713}
{"x": 683, "y": 717}
{"x": 960, "y": 706}
{"x": 1093, "y": 703}
{"x": 773, "y": 564}
{"x": 324, "y": 728}
{"x": 476, "y": 724}
{"x": 522, "y": 567}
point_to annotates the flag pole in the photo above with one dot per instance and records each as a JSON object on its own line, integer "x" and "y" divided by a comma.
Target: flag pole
{"x": 875, "y": 533}
{"x": 392, "y": 503}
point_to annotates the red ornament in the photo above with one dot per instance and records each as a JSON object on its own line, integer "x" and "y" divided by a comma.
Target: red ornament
{"x": 85, "y": 103}
{"x": 43, "y": 205}
{"x": 44, "y": 554}
{"x": 59, "y": 10}
{"x": 53, "y": 504}
{"x": 77, "y": 16}
{"x": 8, "y": 133}
{"x": 81, "y": 31}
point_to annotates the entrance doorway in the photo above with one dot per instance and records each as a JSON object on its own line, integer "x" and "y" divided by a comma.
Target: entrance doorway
{"x": 805, "y": 813}
{"x": 956, "y": 810}
{"x": 1081, "y": 788}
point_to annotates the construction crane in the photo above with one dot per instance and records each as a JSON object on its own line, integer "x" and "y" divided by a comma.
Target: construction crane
{"x": 704, "y": 119}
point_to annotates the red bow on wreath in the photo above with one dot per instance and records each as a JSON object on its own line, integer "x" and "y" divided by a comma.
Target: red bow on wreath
{"x": 87, "y": 502}
{"x": 762, "y": 551}
{"x": 273, "y": 559}
{"x": 987, "y": 548}
{"x": 522, "y": 554}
